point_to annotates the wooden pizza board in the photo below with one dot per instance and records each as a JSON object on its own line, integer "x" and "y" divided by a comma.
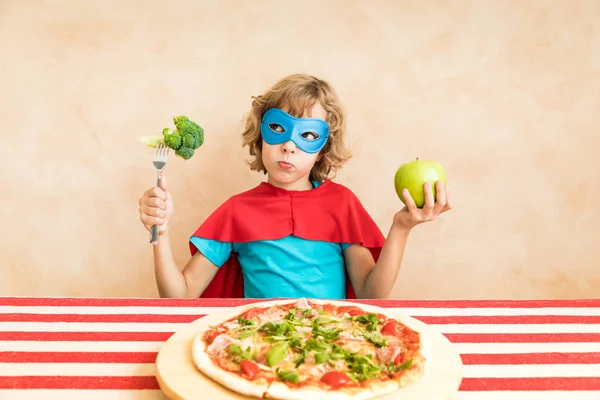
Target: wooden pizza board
{"x": 179, "y": 379}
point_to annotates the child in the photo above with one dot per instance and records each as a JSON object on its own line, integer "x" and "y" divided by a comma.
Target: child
{"x": 298, "y": 234}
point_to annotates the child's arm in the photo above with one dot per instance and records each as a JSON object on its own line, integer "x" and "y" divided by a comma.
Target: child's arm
{"x": 156, "y": 208}
{"x": 190, "y": 282}
{"x": 376, "y": 280}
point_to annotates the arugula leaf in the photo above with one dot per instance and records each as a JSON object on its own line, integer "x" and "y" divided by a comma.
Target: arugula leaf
{"x": 298, "y": 316}
{"x": 329, "y": 334}
{"x": 376, "y": 339}
{"x": 339, "y": 353}
{"x": 314, "y": 344}
{"x": 246, "y": 334}
{"x": 246, "y": 322}
{"x": 280, "y": 329}
{"x": 362, "y": 367}
{"x": 238, "y": 353}
{"x": 289, "y": 376}
{"x": 234, "y": 349}
{"x": 301, "y": 357}
{"x": 395, "y": 368}
{"x": 320, "y": 358}
{"x": 370, "y": 320}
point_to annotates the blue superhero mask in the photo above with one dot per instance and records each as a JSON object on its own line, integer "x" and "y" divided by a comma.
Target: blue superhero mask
{"x": 309, "y": 134}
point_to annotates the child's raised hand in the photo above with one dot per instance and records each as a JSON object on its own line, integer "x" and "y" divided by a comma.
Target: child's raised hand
{"x": 411, "y": 215}
{"x": 156, "y": 207}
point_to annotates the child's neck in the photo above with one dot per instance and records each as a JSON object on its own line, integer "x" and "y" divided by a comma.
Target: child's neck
{"x": 300, "y": 184}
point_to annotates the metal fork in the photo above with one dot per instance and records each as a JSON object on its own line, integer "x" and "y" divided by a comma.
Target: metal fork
{"x": 160, "y": 162}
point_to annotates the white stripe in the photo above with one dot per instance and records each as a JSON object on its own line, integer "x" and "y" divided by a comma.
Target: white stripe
{"x": 26, "y": 345}
{"x": 92, "y": 326}
{"x": 110, "y": 310}
{"x": 532, "y": 371}
{"x": 69, "y": 394}
{"x": 172, "y": 327}
{"x": 529, "y": 395}
{"x": 591, "y": 311}
{"x": 516, "y": 348}
{"x": 131, "y": 346}
{"x": 77, "y": 369}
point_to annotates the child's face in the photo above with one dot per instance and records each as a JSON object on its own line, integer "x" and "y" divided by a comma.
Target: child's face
{"x": 286, "y": 164}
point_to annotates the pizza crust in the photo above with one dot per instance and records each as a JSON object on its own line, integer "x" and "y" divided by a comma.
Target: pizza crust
{"x": 279, "y": 390}
{"x": 228, "y": 379}
{"x": 379, "y": 388}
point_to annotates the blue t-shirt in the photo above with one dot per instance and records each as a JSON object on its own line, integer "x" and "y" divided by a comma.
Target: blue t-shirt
{"x": 286, "y": 267}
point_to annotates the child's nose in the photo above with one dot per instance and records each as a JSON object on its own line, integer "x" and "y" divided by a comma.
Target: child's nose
{"x": 289, "y": 147}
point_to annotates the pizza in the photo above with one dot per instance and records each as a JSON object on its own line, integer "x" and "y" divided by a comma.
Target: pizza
{"x": 310, "y": 349}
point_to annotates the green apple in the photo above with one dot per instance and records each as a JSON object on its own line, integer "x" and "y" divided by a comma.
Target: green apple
{"x": 413, "y": 175}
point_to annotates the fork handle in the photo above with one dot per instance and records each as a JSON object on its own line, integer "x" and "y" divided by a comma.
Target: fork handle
{"x": 154, "y": 229}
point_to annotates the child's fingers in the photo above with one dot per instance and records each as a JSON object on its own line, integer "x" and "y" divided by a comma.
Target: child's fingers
{"x": 449, "y": 204}
{"x": 149, "y": 221}
{"x": 163, "y": 183}
{"x": 440, "y": 194}
{"x": 156, "y": 192}
{"x": 429, "y": 202}
{"x": 155, "y": 202}
{"x": 154, "y": 211}
{"x": 409, "y": 201}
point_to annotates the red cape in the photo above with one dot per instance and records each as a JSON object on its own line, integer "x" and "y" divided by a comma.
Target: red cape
{"x": 329, "y": 212}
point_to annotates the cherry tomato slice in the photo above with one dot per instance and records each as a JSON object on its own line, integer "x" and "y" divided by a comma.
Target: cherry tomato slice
{"x": 335, "y": 379}
{"x": 250, "y": 368}
{"x": 398, "y": 359}
{"x": 389, "y": 328}
{"x": 356, "y": 312}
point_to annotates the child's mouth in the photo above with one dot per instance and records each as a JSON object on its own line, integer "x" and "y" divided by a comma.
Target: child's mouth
{"x": 285, "y": 165}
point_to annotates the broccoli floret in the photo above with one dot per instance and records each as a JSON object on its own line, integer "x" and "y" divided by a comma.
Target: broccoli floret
{"x": 187, "y": 127}
{"x": 173, "y": 140}
{"x": 184, "y": 139}
{"x": 185, "y": 152}
{"x": 188, "y": 141}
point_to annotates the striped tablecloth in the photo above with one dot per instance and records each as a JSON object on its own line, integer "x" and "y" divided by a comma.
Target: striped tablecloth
{"x": 94, "y": 348}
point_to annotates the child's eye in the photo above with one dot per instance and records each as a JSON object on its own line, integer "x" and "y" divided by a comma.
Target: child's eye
{"x": 310, "y": 136}
{"x": 276, "y": 127}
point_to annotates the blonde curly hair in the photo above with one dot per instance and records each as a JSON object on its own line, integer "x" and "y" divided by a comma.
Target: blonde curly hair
{"x": 298, "y": 93}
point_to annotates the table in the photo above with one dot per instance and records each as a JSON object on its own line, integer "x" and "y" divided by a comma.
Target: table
{"x": 105, "y": 348}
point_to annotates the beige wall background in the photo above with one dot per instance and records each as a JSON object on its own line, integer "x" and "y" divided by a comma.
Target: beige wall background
{"x": 505, "y": 94}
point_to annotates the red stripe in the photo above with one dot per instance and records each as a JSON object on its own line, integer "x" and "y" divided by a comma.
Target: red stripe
{"x": 150, "y": 358}
{"x": 523, "y": 337}
{"x": 513, "y": 319}
{"x": 184, "y": 318}
{"x": 491, "y": 384}
{"x": 78, "y": 382}
{"x": 149, "y": 382}
{"x": 87, "y": 336}
{"x": 173, "y": 318}
{"x": 153, "y": 302}
{"x": 77, "y": 357}
{"x": 531, "y": 358}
